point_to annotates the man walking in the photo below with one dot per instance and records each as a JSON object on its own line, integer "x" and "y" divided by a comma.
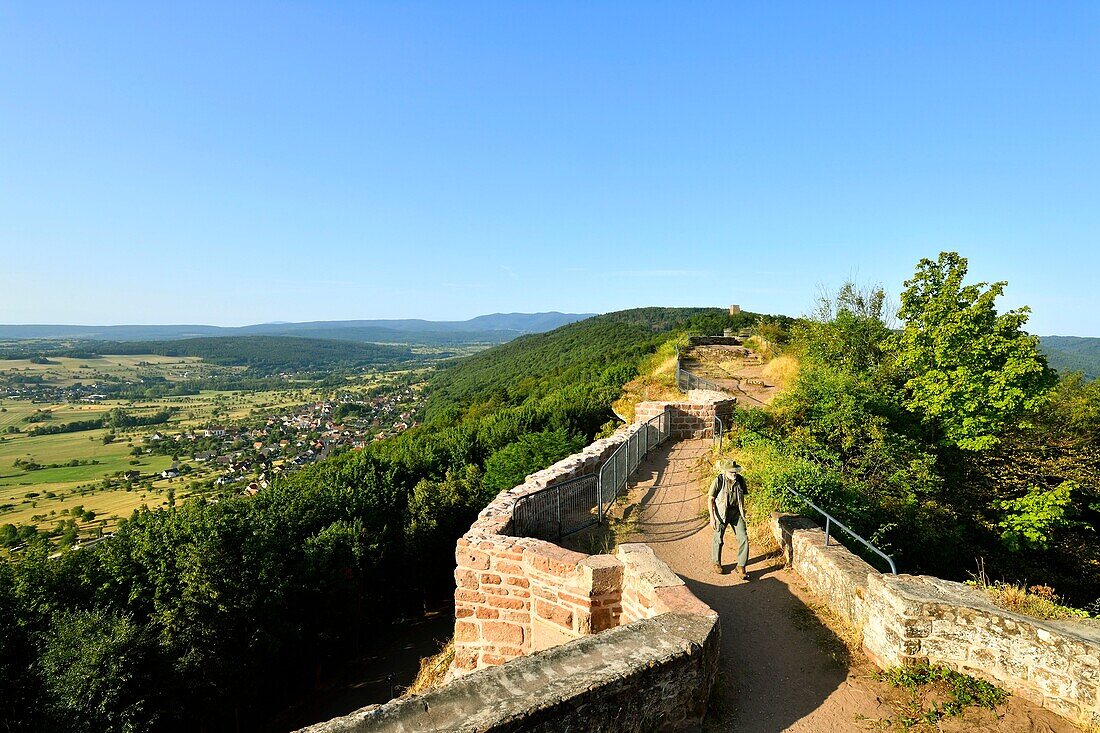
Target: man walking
{"x": 726, "y": 500}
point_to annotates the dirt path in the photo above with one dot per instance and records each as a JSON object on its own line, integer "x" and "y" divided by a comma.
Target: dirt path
{"x": 734, "y": 368}
{"x": 780, "y": 669}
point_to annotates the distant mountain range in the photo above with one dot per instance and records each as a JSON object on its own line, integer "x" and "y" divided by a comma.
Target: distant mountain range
{"x": 493, "y": 328}
{"x": 1073, "y": 354}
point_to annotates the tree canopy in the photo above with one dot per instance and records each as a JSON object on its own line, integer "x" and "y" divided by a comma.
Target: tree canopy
{"x": 969, "y": 370}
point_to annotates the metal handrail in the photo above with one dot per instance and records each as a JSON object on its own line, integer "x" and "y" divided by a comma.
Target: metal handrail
{"x": 557, "y": 489}
{"x": 542, "y": 509}
{"x": 830, "y": 519}
{"x": 718, "y": 430}
{"x": 686, "y": 379}
{"x": 622, "y": 477}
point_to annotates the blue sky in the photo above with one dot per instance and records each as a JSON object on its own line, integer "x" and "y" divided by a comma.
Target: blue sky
{"x": 234, "y": 163}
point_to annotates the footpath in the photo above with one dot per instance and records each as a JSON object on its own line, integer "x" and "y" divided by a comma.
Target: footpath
{"x": 781, "y": 669}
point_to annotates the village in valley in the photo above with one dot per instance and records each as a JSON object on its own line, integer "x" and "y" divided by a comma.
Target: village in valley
{"x": 251, "y": 455}
{"x": 84, "y": 443}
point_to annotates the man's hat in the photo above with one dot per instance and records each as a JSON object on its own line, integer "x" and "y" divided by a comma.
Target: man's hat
{"x": 729, "y": 466}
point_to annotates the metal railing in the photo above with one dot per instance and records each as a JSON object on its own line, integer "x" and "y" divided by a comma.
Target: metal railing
{"x": 558, "y": 510}
{"x": 568, "y": 507}
{"x": 615, "y": 472}
{"x": 717, "y": 430}
{"x": 688, "y": 380}
{"x": 831, "y": 520}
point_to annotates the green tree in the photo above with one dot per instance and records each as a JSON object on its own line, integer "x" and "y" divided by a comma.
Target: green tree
{"x": 98, "y": 668}
{"x": 970, "y": 371}
{"x": 510, "y": 465}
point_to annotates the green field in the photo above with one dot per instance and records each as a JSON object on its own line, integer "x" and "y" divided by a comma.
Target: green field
{"x": 40, "y": 496}
{"x": 64, "y": 371}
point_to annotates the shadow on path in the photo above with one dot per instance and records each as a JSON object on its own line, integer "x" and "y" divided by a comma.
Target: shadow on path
{"x": 777, "y": 672}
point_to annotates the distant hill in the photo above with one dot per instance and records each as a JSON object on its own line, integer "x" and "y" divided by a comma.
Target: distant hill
{"x": 494, "y": 328}
{"x": 603, "y": 350}
{"x": 1073, "y": 354}
{"x": 263, "y": 354}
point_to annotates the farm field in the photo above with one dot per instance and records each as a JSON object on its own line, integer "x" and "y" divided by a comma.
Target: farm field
{"x": 38, "y": 497}
{"x": 44, "y": 477}
{"x": 99, "y": 459}
{"x": 64, "y": 371}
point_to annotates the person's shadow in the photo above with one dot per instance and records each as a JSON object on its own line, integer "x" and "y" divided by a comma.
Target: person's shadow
{"x": 778, "y": 662}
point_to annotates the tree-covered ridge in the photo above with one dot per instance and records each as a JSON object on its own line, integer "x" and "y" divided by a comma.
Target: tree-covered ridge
{"x": 1073, "y": 354}
{"x": 262, "y": 354}
{"x": 604, "y": 350}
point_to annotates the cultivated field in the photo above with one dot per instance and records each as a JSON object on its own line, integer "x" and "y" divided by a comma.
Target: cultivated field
{"x": 44, "y": 496}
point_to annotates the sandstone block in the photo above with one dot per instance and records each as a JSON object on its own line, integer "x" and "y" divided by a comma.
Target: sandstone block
{"x": 468, "y": 558}
{"x": 503, "y": 632}
{"x": 556, "y": 614}
{"x": 466, "y": 631}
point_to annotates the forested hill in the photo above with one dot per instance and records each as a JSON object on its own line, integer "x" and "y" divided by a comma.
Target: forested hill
{"x": 264, "y": 354}
{"x": 601, "y": 350}
{"x": 1073, "y": 354}
{"x": 494, "y": 328}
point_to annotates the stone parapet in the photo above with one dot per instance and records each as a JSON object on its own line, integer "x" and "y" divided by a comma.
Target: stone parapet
{"x": 913, "y": 619}
{"x": 651, "y": 675}
{"x": 692, "y": 418}
{"x": 518, "y": 595}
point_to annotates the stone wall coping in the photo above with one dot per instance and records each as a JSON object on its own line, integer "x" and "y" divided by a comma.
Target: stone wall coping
{"x": 538, "y": 687}
{"x": 932, "y": 590}
{"x": 642, "y": 564}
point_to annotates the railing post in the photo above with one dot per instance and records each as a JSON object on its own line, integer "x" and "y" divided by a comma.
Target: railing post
{"x": 557, "y": 497}
{"x": 828, "y": 524}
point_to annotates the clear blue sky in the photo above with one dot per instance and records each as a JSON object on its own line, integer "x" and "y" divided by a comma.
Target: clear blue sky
{"x": 233, "y": 163}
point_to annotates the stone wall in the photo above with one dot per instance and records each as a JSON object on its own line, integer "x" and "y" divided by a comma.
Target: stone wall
{"x": 651, "y": 675}
{"x": 518, "y": 595}
{"x": 714, "y": 341}
{"x": 907, "y": 619}
{"x": 692, "y": 418}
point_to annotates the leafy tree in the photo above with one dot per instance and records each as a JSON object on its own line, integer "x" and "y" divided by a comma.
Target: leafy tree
{"x": 99, "y": 669}
{"x": 1029, "y": 521}
{"x": 510, "y": 465}
{"x": 847, "y": 331}
{"x": 970, "y": 371}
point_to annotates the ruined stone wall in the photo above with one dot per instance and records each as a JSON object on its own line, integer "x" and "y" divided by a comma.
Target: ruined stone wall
{"x": 519, "y": 595}
{"x": 907, "y": 619}
{"x": 692, "y": 418}
{"x": 651, "y": 675}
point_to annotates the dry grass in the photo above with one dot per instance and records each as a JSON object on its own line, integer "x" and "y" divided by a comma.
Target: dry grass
{"x": 764, "y": 348}
{"x": 1038, "y": 601}
{"x": 433, "y": 670}
{"x": 657, "y": 382}
{"x": 781, "y": 371}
